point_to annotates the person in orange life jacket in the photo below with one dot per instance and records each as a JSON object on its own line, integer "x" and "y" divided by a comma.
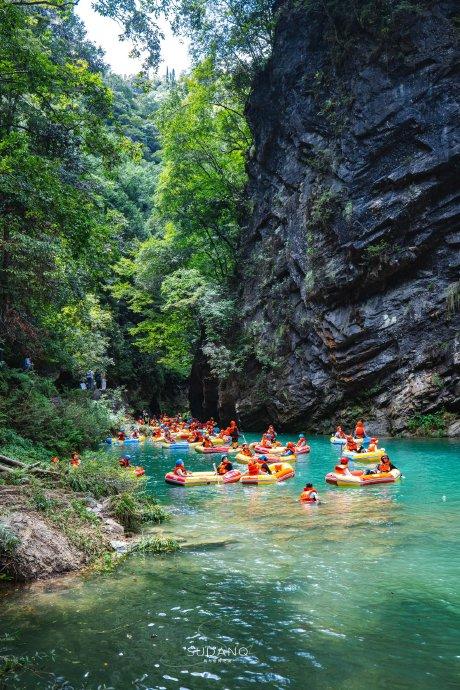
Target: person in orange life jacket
{"x": 207, "y": 443}
{"x": 265, "y": 442}
{"x": 179, "y": 469}
{"x": 385, "y": 465}
{"x": 75, "y": 459}
{"x": 342, "y": 467}
{"x": 302, "y": 441}
{"x": 351, "y": 444}
{"x": 360, "y": 431}
{"x": 253, "y": 467}
{"x": 225, "y": 465}
{"x": 372, "y": 447}
{"x": 125, "y": 461}
{"x": 339, "y": 433}
{"x": 121, "y": 436}
{"x": 309, "y": 494}
{"x": 246, "y": 450}
{"x": 234, "y": 433}
{"x": 290, "y": 450}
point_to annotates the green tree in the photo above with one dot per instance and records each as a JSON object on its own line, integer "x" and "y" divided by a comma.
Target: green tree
{"x": 179, "y": 281}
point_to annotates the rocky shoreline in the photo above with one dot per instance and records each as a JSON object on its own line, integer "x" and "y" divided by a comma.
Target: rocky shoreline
{"x": 44, "y": 549}
{"x": 73, "y": 518}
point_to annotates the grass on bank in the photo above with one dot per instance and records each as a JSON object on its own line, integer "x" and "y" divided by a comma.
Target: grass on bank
{"x": 134, "y": 510}
{"x": 109, "y": 562}
{"x": 64, "y": 498}
{"x": 38, "y": 418}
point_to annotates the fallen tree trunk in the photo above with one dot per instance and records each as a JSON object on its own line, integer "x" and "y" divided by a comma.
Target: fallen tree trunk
{"x": 10, "y": 461}
{"x": 12, "y": 464}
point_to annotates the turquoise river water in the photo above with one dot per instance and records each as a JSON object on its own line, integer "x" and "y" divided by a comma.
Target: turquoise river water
{"x": 359, "y": 592}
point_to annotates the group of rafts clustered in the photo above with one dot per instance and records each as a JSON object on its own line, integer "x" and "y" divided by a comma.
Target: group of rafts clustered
{"x": 267, "y": 461}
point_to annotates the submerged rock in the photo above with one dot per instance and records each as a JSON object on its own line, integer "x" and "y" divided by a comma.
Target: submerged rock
{"x": 350, "y": 263}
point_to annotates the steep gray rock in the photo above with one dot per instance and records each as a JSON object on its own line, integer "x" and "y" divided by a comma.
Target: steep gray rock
{"x": 350, "y": 263}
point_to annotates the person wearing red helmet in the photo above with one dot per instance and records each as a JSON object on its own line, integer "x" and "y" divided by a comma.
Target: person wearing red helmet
{"x": 342, "y": 467}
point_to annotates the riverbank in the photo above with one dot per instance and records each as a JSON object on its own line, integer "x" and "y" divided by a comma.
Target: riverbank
{"x": 69, "y": 518}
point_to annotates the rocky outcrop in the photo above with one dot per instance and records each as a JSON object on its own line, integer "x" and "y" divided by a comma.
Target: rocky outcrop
{"x": 350, "y": 263}
{"x": 45, "y": 547}
{"x": 42, "y": 549}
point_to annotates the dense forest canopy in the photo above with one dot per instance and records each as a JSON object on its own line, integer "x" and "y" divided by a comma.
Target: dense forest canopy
{"x": 121, "y": 199}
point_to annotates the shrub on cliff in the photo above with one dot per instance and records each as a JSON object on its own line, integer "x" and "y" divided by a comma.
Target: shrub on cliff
{"x": 433, "y": 424}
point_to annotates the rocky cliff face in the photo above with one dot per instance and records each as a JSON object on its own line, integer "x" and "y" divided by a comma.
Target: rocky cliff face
{"x": 350, "y": 264}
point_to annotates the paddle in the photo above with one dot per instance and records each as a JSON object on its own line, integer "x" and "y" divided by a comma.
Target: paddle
{"x": 239, "y": 427}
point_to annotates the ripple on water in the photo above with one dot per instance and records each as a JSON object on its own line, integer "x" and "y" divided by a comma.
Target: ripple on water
{"x": 299, "y": 588}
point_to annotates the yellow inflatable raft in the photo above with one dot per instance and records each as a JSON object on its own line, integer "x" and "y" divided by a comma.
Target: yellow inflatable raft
{"x": 217, "y": 441}
{"x": 203, "y": 478}
{"x": 369, "y": 479}
{"x": 280, "y": 471}
{"x": 244, "y": 459}
{"x": 373, "y": 456}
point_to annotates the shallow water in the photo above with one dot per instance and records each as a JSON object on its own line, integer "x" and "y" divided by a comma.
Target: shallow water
{"x": 358, "y": 592}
